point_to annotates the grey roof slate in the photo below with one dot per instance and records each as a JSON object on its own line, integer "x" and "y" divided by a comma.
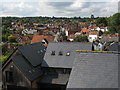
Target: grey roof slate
{"x": 114, "y": 47}
{"x": 34, "y": 53}
{"x": 63, "y": 61}
{"x": 55, "y": 78}
{"x": 30, "y": 72}
{"x": 94, "y": 70}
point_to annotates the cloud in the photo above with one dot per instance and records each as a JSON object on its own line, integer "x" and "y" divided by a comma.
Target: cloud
{"x": 70, "y": 9}
{"x": 110, "y": 8}
{"x": 45, "y": 10}
{"x": 16, "y": 9}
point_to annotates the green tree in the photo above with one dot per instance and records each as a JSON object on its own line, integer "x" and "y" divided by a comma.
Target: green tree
{"x": 101, "y": 25}
{"x": 19, "y": 30}
{"x": 114, "y": 23}
{"x": 3, "y": 58}
{"x": 101, "y": 20}
{"x": 80, "y": 39}
{"x": 11, "y": 38}
{"x": 107, "y": 32}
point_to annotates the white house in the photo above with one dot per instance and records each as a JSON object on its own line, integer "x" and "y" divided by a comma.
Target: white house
{"x": 98, "y": 29}
{"x": 103, "y": 29}
{"x": 93, "y": 35}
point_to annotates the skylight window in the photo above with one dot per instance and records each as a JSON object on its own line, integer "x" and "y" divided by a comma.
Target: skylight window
{"x": 53, "y": 53}
{"x": 60, "y": 53}
{"x": 41, "y": 50}
{"x": 68, "y": 53}
{"x": 38, "y": 51}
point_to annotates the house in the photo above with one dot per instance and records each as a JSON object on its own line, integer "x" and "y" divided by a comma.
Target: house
{"x": 96, "y": 28}
{"x": 24, "y": 39}
{"x": 85, "y": 31}
{"x": 93, "y": 35}
{"x": 22, "y": 69}
{"x": 109, "y": 37}
{"x": 58, "y": 62}
{"x": 103, "y": 29}
{"x": 21, "y": 39}
{"x": 42, "y": 38}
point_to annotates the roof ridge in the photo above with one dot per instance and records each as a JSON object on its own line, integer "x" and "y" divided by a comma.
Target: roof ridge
{"x": 118, "y": 52}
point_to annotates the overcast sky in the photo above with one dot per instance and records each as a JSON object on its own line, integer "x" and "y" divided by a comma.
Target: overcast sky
{"x": 58, "y": 9}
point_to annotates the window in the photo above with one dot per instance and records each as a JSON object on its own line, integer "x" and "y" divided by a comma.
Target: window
{"x": 53, "y": 53}
{"x": 90, "y": 37}
{"x": 60, "y": 53}
{"x": 9, "y": 76}
{"x": 68, "y": 53}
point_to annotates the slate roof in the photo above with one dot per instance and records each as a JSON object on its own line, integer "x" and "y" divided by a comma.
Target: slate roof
{"x": 30, "y": 72}
{"x": 94, "y": 70}
{"x": 63, "y": 61}
{"x": 34, "y": 53}
{"x": 114, "y": 47}
{"x": 29, "y": 61}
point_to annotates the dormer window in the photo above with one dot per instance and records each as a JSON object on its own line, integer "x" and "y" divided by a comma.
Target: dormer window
{"x": 68, "y": 53}
{"x": 60, "y": 53}
{"x": 53, "y": 53}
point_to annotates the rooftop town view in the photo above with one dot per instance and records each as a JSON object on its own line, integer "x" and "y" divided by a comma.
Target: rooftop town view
{"x": 64, "y": 53}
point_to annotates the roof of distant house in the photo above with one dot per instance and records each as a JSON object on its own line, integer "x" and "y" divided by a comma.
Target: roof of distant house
{"x": 95, "y": 27}
{"x": 39, "y": 38}
{"x": 94, "y": 33}
{"x": 102, "y": 27}
{"x": 85, "y": 30}
{"x": 109, "y": 37}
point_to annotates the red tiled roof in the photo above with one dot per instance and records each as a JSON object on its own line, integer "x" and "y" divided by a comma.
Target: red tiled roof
{"x": 93, "y": 33}
{"x": 38, "y": 38}
{"x": 95, "y": 27}
{"x": 65, "y": 25}
{"x": 85, "y": 30}
{"x": 102, "y": 27}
